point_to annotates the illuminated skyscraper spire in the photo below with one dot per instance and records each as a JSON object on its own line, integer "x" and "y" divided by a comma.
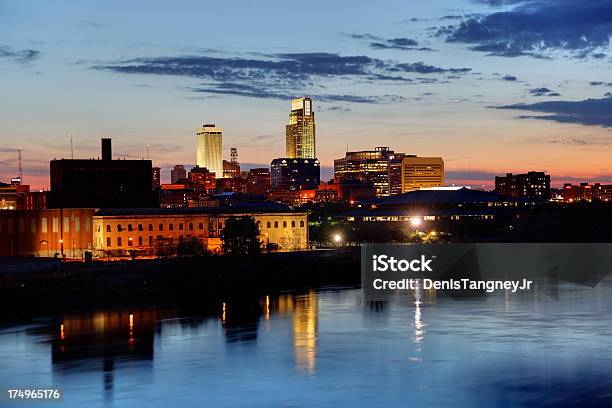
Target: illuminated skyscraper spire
{"x": 300, "y": 132}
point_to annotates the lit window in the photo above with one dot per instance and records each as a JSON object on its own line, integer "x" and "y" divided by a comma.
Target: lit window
{"x": 108, "y": 228}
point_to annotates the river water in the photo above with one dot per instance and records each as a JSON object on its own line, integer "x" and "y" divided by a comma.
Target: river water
{"x": 325, "y": 348}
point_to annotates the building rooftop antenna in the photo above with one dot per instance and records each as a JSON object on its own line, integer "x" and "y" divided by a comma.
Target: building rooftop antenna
{"x": 148, "y": 149}
{"x": 19, "y": 163}
{"x": 71, "y": 148}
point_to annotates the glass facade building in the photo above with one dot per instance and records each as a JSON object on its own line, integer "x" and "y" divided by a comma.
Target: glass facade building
{"x": 370, "y": 166}
{"x": 300, "y": 132}
{"x": 209, "y": 149}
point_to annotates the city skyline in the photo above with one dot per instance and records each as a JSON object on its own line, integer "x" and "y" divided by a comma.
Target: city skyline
{"x": 419, "y": 78}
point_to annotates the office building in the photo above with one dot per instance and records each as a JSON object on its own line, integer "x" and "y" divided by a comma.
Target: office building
{"x": 106, "y": 183}
{"x": 295, "y": 174}
{"x": 369, "y": 166}
{"x": 178, "y": 174}
{"x": 534, "y": 185}
{"x": 209, "y": 149}
{"x": 300, "y": 132}
{"x": 416, "y": 173}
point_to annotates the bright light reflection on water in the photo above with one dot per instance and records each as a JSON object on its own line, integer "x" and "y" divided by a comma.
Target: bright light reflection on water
{"x": 326, "y": 348}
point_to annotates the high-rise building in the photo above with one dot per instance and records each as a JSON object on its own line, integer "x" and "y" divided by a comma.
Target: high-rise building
{"x": 300, "y": 132}
{"x": 295, "y": 174}
{"x": 106, "y": 183}
{"x": 534, "y": 185}
{"x": 177, "y": 174}
{"x": 371, "y": 166}
{"x": 156, "y": 177}
{"x": 419, "y": 172}
{"x": 209, "y": 149}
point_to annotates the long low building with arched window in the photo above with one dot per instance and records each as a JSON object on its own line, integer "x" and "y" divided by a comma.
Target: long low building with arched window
{"x": 161, "y": 231}
{"x": 140, "y": 232}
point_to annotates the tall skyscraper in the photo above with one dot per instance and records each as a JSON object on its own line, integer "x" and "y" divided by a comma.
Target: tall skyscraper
{"x": 178, "y": 173}
{"x": 208, "y": 140}
{"x": 300, "y": 132}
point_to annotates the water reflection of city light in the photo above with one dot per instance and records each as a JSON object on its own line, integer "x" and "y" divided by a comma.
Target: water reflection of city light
{"x": 305, "y": 331}
{"x": 418, "y": 323}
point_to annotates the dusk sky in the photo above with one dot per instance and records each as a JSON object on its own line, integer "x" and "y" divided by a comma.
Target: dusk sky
{"x": 492, "y": 86}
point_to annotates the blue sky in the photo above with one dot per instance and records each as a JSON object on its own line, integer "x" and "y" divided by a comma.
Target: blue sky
{"x": 493, "y": 86}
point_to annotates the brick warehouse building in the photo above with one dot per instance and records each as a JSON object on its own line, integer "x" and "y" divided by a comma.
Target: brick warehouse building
{"x": 45, "y": 233}
{"x": 141, "y": 232}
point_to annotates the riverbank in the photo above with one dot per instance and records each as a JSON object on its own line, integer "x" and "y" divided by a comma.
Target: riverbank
{"x": 75, "y": 285}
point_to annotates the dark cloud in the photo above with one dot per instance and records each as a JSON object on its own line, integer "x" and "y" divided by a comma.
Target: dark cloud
{"x": 543, "y": 92}
{"x": 600, "y": 83}
{"x": 365, "y": 36}
{"x": 337, "y": 109}
{"x": 452, "y": 17}
{"x": 538, "y": 28}
{"x": 422, "y": 68}
{"x": 263, "y": 93}
{"x": 19, "y": 56}
{"x": 400, "y": 43}
{"x": 381, "y": 77}
{"x": 511, "y": 78}
{"x": 590, "y": 112}
{"x": 280, "y": 76}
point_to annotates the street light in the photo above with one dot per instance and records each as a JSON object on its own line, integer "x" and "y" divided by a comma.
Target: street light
{"x": 337, "y": 238}
{"x": 415, "y": 221}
